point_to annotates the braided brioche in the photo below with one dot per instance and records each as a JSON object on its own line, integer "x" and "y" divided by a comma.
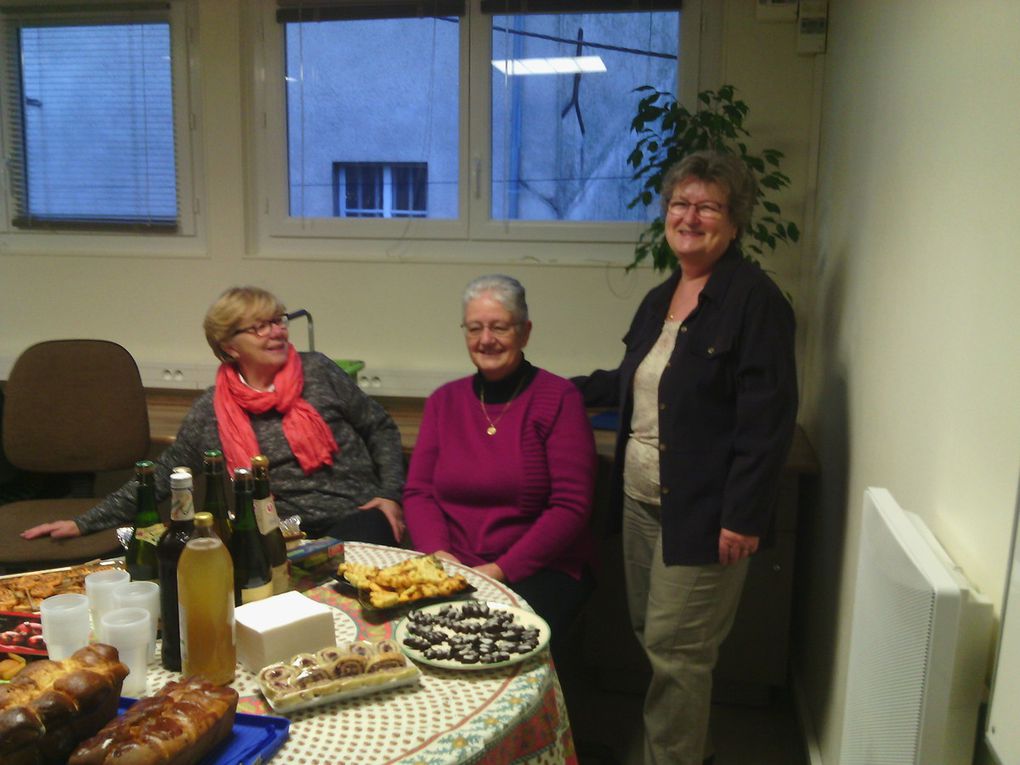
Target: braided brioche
{"x": 177, "y": 726}
{"x": 52, "y": 705}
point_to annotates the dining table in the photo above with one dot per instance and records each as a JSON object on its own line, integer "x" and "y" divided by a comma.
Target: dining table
{"x": 510, "y": 714}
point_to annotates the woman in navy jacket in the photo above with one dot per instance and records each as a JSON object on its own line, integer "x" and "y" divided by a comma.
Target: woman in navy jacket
{"x": 707, "y": 395}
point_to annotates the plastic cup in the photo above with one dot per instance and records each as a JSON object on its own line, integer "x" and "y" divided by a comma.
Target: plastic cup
{"x": 65, "y": 624}
{"x": 127, "y": 630}
{"x": 99, "y": 588}
{"x": 143, "y": 595}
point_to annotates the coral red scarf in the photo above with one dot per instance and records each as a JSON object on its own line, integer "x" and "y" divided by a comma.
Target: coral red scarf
{"x": 307, "y": 433}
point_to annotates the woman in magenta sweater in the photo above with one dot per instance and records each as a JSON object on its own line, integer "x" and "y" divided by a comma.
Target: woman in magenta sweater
{"x": 503, "y": 470}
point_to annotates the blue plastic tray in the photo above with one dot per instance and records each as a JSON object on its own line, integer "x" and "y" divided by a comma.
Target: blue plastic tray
{"x": 256, "y": 738}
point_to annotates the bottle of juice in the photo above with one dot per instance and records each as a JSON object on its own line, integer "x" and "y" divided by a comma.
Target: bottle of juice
{"x": 168, "y": 552}
{"x": 140, "y": 558}
{"x": 205, "y": 590}
{"x": 253, "y": 579}
{"x": 216, "y": 493}
{"x": 269, "y": 524}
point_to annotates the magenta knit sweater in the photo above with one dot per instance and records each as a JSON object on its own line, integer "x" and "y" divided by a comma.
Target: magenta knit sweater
{"x": 520, "y": 498}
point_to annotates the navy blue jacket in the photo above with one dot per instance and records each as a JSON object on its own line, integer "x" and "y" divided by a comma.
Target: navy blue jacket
{"x": 727, "y": 407}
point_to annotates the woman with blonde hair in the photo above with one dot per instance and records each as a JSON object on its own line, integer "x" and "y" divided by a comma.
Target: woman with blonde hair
{"x": 334, "y": 453}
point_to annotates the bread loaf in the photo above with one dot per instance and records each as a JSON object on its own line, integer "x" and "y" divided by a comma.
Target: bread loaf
{"x": 52, "y": 705}
{"x": 177, "y": 726}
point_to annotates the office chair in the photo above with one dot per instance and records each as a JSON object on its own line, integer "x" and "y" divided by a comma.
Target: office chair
{"x": 73, "y": 407}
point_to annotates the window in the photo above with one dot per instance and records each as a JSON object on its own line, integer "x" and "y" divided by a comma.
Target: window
{"x": 500, "y": 153}
{"x": 377, "y": 190}
{"x": 96, "y": 129}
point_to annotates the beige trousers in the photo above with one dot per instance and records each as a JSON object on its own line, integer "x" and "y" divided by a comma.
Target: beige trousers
{"x": 681, "y": 614}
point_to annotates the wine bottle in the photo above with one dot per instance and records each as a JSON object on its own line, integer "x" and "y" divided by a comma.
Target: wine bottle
{"x": 140, "y": 559}
{"x": 253, "y": 579}
{"x": 268, "y": 522}
{"x": 216, "y": 494}
{"x": 205, "y": 587}
{"x": 168, "y": 553}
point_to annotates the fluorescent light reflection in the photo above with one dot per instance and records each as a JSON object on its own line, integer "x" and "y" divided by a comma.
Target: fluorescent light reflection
{"x": 565, "y": 65}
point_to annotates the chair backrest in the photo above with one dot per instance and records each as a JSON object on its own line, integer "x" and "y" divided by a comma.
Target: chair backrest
{"x": 75, "y": 406}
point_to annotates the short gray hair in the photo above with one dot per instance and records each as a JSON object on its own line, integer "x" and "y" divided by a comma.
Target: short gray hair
{"x": 505, "y": 289}
{"x": 725, "y": 170}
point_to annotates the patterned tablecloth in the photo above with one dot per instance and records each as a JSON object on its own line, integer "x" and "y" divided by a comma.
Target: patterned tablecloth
{"x": 514, "y": 714}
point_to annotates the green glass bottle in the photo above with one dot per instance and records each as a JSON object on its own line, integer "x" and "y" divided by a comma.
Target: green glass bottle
{"x": 216, "y": 494}
{"x": 269, "y": 524}
{"x": 253, "y": 579}
{"x": 168, "y": 553}
{"x": 140, "y": 558}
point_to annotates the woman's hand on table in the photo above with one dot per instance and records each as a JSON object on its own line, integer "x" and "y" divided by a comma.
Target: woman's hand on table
{"x": 394, "y": 514}
{"x": 444, "y": 555}
{"x": 55, "y": 529}
{"x": 492, "y": 571}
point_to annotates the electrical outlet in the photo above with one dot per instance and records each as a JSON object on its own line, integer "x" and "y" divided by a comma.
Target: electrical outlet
{"x": 176, "y": 375}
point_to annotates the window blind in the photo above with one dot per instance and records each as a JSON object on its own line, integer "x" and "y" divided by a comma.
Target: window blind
{"x": 577, "y": 6}
{"x": 90, "y": 119}
{"x": 350, "y": 10}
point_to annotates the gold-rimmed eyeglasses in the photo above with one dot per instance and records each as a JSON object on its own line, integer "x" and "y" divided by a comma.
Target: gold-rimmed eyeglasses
{"x": 499, "y": 329}
{"x": 704, "y": 210}
{"x": 264, "y": 327}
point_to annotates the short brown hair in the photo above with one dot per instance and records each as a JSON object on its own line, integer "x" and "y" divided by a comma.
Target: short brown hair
{"x": 724, "y": 170}
{"x": 235, "y": 305}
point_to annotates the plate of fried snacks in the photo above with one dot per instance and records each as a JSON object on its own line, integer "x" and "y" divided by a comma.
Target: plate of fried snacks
{"x": 415, "y": 581}
{"x": 336, "y": 673}
{"x": 472, "y": 634}
{"x": 24, "y": 592}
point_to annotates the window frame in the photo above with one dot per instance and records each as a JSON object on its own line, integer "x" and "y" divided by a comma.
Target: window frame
{"x": 474, "y": 237}
{"x": 103, "y": 239}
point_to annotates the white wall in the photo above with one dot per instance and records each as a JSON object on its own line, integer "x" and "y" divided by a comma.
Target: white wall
{"x": 392, "y": 315}
{"x": 913, "y": 361}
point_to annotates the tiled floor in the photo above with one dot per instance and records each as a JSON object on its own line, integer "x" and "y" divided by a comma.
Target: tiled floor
{"x": 607, "y": 726}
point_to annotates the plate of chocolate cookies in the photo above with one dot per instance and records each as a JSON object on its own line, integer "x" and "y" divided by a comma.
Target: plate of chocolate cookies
{"x": 471, "y": 634}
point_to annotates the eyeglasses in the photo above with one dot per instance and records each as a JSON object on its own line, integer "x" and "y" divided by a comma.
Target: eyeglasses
{"x": 705, "y": 210}
{"x": 498, "y": 329}
{"x": 264, "y": 327}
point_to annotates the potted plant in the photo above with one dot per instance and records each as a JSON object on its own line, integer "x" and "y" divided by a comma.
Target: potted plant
{"x": 667, "y": 131}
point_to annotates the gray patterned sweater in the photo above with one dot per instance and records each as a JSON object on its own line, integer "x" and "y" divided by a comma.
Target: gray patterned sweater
{"x": 369, "y": 464}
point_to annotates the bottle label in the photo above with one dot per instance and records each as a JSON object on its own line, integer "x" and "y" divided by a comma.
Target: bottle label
{"x": 265, "y": 515}
{"x": 150, "y": 534}
{"x": 182, "y": 506}
{"x": 251, "y": 594}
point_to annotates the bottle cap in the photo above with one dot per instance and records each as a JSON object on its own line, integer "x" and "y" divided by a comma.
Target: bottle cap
{"x": 179, "y": 480}
{"x": 203, "y": 519}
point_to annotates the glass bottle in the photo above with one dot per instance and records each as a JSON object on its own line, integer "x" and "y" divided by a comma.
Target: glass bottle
{"x": 268, "y": 522}
{"x": 168, "y": 553}
{"x": 253, "y": 579}
{"x": 205, "y": 588}
{"x": 216, "y": 493}
{"x": 140, "y": 558}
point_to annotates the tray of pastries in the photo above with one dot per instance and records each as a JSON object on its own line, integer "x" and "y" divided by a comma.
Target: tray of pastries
{"x": 23, "y": 593}
{"x": 415, "y": 581}
{"x": 336, "y": 673}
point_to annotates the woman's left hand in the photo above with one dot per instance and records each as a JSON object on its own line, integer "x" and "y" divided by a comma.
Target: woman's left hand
{"x": 394, "y": 514}
{"x": 492, "y": 571}
{"x": 734, "y": 547}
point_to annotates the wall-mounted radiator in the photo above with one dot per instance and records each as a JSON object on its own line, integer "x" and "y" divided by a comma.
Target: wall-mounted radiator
{"x": 918, "y": 649}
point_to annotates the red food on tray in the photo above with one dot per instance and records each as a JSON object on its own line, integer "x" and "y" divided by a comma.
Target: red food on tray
{"x": 21, "y": 633}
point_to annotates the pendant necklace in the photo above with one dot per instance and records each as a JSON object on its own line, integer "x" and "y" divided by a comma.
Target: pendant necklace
{"x": 491, "y": 430}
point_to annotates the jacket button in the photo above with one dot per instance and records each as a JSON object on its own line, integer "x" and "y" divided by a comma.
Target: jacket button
{"x": 664, "y": 490}
{"x": 683, "y": 328}
{"x": 662, "y": 407}
{"x": 662, "y": 447}
{"x": 711, "y": 350}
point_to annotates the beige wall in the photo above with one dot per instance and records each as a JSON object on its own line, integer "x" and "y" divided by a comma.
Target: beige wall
{"x": 913, "y": 365}
{"x": 392, "y": 315}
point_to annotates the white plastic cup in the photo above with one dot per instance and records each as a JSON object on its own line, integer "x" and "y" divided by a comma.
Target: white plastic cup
{"x": 145, "y": 595}
{"x": 127, "y": 630}
{"x": 99, "y": 588}
{"x": 65, "y": 624}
